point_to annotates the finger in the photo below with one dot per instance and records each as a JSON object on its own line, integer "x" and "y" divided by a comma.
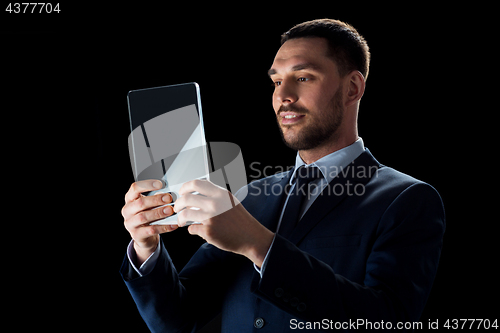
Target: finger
{"x": 148, "y": 216}
{"x": 151, "y": 230}
{"x": 190, "y": 215}
{"x": 145, "y": 203}
{"x": 191, "y": 200}
{"x": 195, "y": 229}
{"x": 141, "y": 186}
{"x": 161, "y": 229}
{"x": 204, "y": 187}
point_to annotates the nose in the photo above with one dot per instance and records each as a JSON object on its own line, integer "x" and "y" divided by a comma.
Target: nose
{"x": 285, "y": 93}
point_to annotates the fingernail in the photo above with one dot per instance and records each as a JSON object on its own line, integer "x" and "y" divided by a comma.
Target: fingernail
{"x": 166, "y": 198}
{"x": 157, "y": 184}
{"x": 167, "y": 210}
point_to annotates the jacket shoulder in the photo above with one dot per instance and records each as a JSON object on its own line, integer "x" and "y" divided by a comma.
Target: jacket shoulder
{"x": 397, "y": 186}
{"x": 396, "y": 181}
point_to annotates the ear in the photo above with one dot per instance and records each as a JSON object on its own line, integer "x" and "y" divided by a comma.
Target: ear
{"x": 355, "y": 87}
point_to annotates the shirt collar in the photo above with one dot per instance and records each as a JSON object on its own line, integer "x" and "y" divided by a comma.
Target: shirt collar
{"x": 331, "y": 164}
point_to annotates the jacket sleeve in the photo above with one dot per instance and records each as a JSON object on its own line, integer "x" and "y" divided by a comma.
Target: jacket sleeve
{"x": 173, "y": 302}
{"x": 399, "y": 271}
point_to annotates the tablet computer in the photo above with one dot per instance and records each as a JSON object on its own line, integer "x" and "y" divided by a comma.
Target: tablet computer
{"x": 167, "y": 139}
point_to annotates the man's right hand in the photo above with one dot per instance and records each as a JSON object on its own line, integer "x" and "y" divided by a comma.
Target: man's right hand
{"x": 139, "y": 211}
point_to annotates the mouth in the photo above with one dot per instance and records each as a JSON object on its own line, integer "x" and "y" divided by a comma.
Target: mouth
{"x": 289, "y": 118}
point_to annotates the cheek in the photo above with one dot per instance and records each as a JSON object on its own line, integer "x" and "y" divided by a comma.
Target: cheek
{"x": 276, "y": 104}
{"x": 322, "y": 100}
{"x": 311, "y": 100}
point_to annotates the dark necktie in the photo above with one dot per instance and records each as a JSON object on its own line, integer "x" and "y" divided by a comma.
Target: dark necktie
{"x": 296, "y": 198}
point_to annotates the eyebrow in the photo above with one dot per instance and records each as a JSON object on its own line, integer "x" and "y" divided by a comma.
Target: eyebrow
{"x": 299, "y": 67}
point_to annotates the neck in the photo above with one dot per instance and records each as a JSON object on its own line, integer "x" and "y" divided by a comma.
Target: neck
{"x": 312, "y": 155}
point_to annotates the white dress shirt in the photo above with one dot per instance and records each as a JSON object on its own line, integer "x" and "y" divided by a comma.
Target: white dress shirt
{"x": 329, "y": 165}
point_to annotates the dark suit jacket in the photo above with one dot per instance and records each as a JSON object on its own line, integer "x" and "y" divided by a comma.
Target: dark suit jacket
{"x": 369, "y": 253}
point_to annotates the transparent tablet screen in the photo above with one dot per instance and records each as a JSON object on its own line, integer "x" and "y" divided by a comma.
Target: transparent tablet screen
{"x": 167, "y": 139}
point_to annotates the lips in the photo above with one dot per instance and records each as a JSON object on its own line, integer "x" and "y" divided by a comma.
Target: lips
{"x": 289, "y": 118}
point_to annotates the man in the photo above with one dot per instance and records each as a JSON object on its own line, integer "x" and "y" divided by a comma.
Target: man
{"x": 354, "y": 246}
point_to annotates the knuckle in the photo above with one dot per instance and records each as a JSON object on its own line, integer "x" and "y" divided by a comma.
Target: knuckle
{"x": 150, "y": 230}
{"x": 181, "y": 216}
{"x": 129, "y": 227}
{"x": 123, "y": 211}
{"x": 141, "y": 203}
{"x": 125, "y": 223}
{"x": 131, "y": 193}
{"x": 179, "y": 201}
{"x": 212, "y": 206}
{"x": 157, "y": 213}
{"x": 142, "y": 218}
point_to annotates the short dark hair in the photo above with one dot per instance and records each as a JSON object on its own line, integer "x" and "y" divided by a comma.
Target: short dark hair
{"x": 347, "y": 47}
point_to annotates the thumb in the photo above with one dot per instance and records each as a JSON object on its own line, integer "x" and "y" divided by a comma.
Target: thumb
{"x": 195, "y": 229}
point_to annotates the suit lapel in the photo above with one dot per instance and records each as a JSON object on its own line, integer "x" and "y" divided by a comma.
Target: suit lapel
{"x": 270, "y": 212}
{"x": 359, "y": 171}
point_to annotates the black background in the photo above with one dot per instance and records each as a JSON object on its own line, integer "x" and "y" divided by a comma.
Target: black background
{"x": 427, "y": 111}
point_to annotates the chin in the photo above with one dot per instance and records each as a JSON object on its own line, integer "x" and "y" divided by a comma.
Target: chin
{"x": 290, "y": 137}
{"x": 293, "y": 141}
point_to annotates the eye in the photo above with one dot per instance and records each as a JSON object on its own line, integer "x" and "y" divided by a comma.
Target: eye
{"x": 276, "y": 84}
{"x": 303, "y": 79}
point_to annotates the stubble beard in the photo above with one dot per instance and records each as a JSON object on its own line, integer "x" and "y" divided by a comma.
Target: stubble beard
{"x": 318, "y": 131}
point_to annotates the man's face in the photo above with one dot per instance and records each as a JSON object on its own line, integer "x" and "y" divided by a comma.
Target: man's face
{"x": 307, "y": 97}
